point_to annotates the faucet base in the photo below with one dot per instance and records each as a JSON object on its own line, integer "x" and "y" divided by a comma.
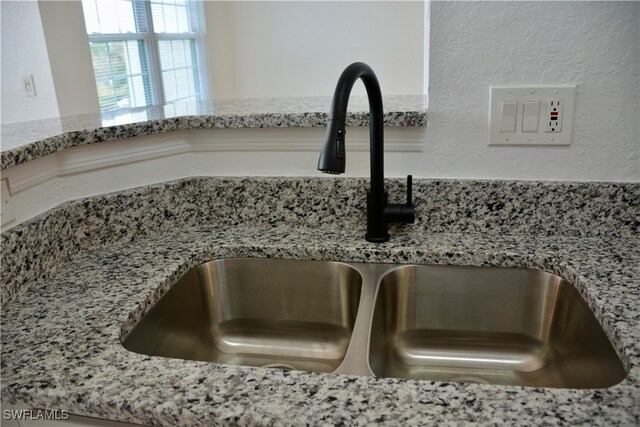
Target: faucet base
{"x": 376, "y": 239}
{"x": 376, "y": 225}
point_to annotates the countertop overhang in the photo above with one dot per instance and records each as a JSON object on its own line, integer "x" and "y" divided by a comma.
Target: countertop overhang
{"x": 26, "y": 141}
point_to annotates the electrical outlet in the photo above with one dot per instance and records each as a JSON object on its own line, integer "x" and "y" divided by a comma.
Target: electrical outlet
{"x": 6, "y": 211}
{"x": 554, "y": 116}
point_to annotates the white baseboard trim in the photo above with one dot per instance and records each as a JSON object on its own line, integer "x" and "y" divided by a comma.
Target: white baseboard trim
{"x": 33, "y": 173}
{"x": 91, "y": 157}
{"x": 75, "y": 161}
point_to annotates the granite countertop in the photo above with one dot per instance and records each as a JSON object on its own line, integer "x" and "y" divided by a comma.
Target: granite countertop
{"x": 22, "y": 142}
{"x": 61, "y": 340}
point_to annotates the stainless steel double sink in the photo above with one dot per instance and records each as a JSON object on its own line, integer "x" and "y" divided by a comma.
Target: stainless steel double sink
{"x": 427, "y": 322}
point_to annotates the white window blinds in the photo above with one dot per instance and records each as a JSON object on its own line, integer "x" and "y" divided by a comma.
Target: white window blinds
{"x": 146, "y": 52}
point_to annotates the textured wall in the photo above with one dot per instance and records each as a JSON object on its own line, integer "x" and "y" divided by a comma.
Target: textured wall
{"x": 476, "y": 44}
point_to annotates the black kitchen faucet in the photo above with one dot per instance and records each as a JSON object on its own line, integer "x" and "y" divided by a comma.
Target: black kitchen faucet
{"x": 380, "y": 213}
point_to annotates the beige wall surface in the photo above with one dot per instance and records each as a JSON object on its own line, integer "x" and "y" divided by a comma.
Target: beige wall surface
{"x": 261, "y": 49}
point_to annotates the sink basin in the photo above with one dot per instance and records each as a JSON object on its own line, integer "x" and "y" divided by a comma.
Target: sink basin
{"x": 488, "y": 325}
{"x": 438, "y": 323}
{"x": 257, "y": 312}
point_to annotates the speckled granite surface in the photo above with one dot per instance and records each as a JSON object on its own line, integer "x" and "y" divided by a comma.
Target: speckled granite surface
{"x": 442, "y": 206}
{"x": 26, "y": 141}
{"x": 61, "y": 340}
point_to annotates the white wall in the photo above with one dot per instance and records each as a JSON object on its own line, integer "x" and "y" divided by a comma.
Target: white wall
{"x": 283, "y": 49}
{"x": 476, "y": 44}
{"x": 24, "y": 52}
{"x": 69, "y": 56}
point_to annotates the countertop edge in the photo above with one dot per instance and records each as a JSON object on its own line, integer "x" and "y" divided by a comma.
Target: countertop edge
{"x": 84, "y": 130}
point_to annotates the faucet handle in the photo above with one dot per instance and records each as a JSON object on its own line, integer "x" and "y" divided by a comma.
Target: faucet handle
{"x": 398, "y": 212}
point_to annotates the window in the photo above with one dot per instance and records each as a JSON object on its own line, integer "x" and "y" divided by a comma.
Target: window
{"x": 146, "y": 52}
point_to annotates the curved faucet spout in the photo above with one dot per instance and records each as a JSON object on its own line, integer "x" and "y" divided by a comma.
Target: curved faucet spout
{"x": 333, "y": 156}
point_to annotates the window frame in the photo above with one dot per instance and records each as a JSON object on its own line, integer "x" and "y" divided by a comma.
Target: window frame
{"x": 151, "y": 41}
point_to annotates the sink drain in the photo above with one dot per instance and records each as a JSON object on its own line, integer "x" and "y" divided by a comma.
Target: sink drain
{"x": 469, "y": 379}
{"x": 283, "y": 366}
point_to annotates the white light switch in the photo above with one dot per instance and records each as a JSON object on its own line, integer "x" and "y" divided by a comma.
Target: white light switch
{"x": 530, "y": 115}
{"x": 28, "y": 87}
{"x": 508, "y": 116}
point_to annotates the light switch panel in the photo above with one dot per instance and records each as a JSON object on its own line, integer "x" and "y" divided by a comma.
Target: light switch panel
{"x": 508, "y": 116}
{"x": 531, "y": 116}
{"x": 28, "y": 86}
{"x": 523, "y": 115}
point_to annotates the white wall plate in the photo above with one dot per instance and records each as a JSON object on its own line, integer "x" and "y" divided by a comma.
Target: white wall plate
{"x": 543, "y": 115}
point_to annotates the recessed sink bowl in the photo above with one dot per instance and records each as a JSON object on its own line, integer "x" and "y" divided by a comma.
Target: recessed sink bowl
{"x": 488, "y": 325}
{"x": 257, "y": 312}
{"x": 426, "y": 322}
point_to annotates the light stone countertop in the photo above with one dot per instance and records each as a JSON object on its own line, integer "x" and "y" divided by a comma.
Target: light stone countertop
{"x": 118, "y": 253}
{"x": 22, "y": 142}
{"x": 61, "y": 341}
